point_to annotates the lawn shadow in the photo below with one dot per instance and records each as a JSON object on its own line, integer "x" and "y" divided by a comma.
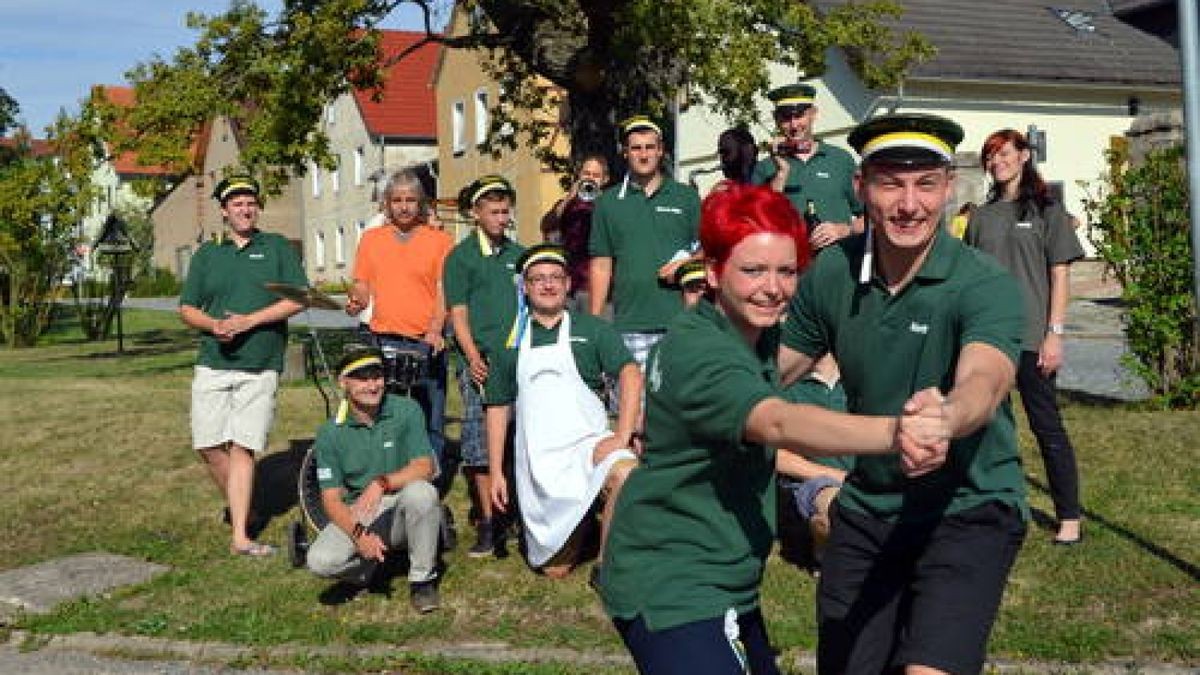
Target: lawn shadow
{"x": 275, "y": 482}
{"x": 381, "y": 582}
{"x": 1043, "y": 519}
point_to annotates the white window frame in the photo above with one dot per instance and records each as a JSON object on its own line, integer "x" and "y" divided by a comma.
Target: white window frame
{"x": 319, "y": 249}
{"x": 458, "y": 127}
{"x": 481, "y": 115}
{"x": 316, "y": 180}
{"x": 339, "y": 246}
{"x": 335, "y": 177}
{"x": 359, "y": 159}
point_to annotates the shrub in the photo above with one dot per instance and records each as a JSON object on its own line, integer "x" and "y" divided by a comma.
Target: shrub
{"x": 155, "y": 283}
{"x": 1141, "y": 218}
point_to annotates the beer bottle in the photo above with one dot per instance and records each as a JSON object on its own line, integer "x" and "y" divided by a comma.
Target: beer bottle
{"x": 811, "y": 219}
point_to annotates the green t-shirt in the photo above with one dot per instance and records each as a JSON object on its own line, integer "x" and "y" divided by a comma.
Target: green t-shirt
{"x": 1026, "y": 247}
{"x": 814, "y": 391}
{"x": 642, "y": 233}
{"x": 826, "y": 178}
{"x": 695, "y": 521}
{"x": 889, "y": 347}
{"x": 224, "y": 279}
{"x": 596, "y": 346}
{"x": 483, "y": 278}
{"x": 351, "y": 454}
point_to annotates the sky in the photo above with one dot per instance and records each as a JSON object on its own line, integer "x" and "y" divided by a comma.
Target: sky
{"x": 53, "y": 51}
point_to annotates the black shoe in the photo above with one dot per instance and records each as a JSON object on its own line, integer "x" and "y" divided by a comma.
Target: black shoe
{"x": 594, "y": 578}
{"x": 424, "y": 596}
{"x": 485, "y": 542}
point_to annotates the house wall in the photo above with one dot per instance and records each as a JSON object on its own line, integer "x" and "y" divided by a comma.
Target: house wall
{"x": 460, "y": 77}
{"x": 338, "y": 206}
{"x": 189, "y": 216}
{"x": 1080, "y": 123}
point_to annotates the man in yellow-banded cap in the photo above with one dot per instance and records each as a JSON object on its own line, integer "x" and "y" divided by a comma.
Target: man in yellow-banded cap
{"x": 909, "y": 308}
{"x": 243, "y": 330}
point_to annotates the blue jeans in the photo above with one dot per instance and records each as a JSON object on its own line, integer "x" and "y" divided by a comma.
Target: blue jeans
{"x": 429, "y": 393}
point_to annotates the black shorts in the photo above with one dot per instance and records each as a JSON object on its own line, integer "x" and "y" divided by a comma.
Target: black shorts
{"x": 927, "y": 594}
{"x": 700, "y": 647}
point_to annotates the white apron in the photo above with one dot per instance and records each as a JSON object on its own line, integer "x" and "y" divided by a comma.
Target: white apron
{"x": 559, "y": 422}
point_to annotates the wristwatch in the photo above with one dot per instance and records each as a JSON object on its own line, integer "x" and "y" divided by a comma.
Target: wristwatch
{"x": 1056, "y": 328}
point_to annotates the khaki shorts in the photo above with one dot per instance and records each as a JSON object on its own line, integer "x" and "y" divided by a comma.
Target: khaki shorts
{"x": 232, "y": 405}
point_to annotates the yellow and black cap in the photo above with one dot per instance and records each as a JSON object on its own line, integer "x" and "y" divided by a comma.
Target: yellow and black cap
{"x": 639, "y": 123}
{"x": 689, "y": 273}
{"x": 912, "y": 139}
{"x": 359, "y": 359}
{"x": 470, "y": 195}
{"x": 542, "y": 253}
{"x": 793, "y": 97}
{"x": 232, "y": 186}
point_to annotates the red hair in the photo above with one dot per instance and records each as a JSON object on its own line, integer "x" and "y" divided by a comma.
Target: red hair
{"x": 1032, "y": 192}
{"x": 731, "y": 214}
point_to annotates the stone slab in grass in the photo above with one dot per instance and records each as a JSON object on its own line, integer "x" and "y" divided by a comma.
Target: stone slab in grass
{"x": 37, "y": 589}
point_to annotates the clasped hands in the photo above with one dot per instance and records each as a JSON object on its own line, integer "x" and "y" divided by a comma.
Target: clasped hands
{"x": 225, "y": 330}
{"x": 924, "y": 431}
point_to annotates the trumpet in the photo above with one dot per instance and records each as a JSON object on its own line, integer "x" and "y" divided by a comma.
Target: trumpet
{"x": 588, "y": 191}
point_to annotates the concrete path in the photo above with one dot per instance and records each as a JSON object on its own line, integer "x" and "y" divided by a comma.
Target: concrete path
{"x": 37, "y": 589}
{"x": 90, "y": 653}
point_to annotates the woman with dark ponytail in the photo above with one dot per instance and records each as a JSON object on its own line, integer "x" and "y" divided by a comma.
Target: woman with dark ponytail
{"x": 1031, "y": 235}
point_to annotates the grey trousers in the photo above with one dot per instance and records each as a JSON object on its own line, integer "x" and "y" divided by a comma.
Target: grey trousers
{"x": 411, "y": 519}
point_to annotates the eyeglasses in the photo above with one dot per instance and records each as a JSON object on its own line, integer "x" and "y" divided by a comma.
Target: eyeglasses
{"x": 545, "y": 279}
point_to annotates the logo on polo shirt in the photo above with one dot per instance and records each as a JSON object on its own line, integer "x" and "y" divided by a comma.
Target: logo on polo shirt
{"x": 388, "y": 444}
{"x": 919, "y": 328}
{"x": 822, "y": 174}
{"x": 1025, "y": 225}
{"x": 669, "y": 209}
{"x": 324, "y": 473}
{"x": 578, "y": 338}
{"x": 257, "y": 256}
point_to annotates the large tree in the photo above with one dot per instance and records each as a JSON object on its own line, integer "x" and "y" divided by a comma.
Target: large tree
{"x": 600, "y": 59}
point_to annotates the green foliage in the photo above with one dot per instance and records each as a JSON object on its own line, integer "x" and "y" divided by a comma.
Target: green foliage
{"x": 596, "y": 61}
{"x": 156, "y": 282}
{"x": 1144, "y": 235}
{"x": 9, "y": 110}
{"x": 42, "y": 200}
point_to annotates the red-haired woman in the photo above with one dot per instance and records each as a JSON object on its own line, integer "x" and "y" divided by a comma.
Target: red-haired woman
{"x": 696, "y": 520}
{"x": 1031, "y": 235}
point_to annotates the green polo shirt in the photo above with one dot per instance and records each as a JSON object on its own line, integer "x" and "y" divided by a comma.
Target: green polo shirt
{"x": 596, "y": 346}
{"x": 813, "y": 391}
{"x": 641, "y": 233}
{"x": 224, "y": 279}
{"x": 890, "y": 346}
{"x": 482, "y": 277}
{"x": 826, "y": 178}
{"x": 695, "y": 521}
{"x": 351, "y": 454}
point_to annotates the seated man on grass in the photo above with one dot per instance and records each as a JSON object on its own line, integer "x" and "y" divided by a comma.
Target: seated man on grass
{"x": 375, "y": 468}
{"x": 565, "y": 456}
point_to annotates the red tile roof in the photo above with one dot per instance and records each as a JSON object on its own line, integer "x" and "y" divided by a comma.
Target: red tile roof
{"x": 38, "y": 147}
{"x": 408, "y": 106}
{"x": 126, "y": 163}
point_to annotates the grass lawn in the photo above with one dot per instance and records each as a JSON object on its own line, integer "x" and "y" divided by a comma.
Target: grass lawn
{"x": 96, "y": 457}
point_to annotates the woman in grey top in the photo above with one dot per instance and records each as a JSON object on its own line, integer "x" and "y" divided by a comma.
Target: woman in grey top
{"x": 1030, "y": 234}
